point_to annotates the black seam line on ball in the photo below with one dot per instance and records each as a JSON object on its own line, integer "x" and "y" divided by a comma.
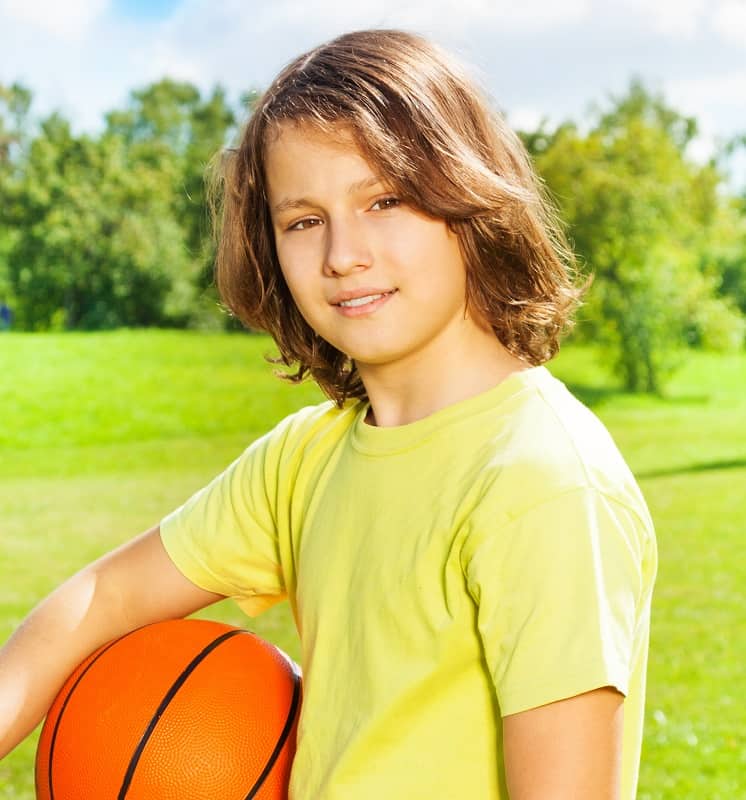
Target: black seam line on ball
{"x": 294, "y": 703}
{"x": 168, "y": 697}
{"x": 64, "y": 706}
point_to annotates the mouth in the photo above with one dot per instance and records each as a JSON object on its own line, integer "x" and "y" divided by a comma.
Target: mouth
{"x": 364, "y": 305}
{"x": 357, "y": 302}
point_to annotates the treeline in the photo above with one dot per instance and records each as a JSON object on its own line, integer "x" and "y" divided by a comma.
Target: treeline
{"x": 110, "y": 230}
{"x": 113, "y": 230}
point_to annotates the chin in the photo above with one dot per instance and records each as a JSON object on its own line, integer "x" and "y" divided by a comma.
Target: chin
{"x": 374, "y": 359}
{"x": 370, "y": 354}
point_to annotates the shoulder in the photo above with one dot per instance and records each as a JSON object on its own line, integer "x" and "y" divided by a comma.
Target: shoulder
{"x": 305, "y": 430}
{"x": 546, "y": 443}
{"x": 324, "y": 420}
{"x": 273, "y": 458}
{"x": 304, "y": 420}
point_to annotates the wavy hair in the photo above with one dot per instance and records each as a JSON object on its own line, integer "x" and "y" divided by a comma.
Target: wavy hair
{"x": 430, "y": 131}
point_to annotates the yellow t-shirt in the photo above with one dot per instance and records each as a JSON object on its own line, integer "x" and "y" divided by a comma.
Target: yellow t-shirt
{"x": 492, "y": 557}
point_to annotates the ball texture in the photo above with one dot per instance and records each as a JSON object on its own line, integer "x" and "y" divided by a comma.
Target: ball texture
{"x": 171, "y": 711}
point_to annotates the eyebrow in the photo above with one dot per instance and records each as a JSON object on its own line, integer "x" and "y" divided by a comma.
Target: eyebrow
{"x": 303, "y": 202}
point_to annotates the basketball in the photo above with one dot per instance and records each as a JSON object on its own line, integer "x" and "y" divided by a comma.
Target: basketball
{"x": 171, "y": 711}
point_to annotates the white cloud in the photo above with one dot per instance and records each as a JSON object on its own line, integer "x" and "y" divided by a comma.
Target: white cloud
{"x": 697, "y": 95}
{"x": 679, "y": 19}
{"x": 730, "y": 22}
{"x": 245, "y": 43}
{"x": 69, "y": 20}
{"x": 687, "y": 19}
{"x": 431, "y": 15}
{"x": 710, "y": 101}
{"x": 526, "y": 118}
{"x": 167, "y": 59}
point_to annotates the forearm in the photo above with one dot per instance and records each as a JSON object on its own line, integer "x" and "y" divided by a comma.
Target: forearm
{"x": 57, "y": 635}
{"x": 132, "y": 586}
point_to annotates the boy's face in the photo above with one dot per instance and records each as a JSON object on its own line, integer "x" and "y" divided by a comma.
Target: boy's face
{"x": 338, "y": 227}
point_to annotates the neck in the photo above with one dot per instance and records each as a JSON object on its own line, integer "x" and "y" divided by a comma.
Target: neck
{"x": 430, "y": 380}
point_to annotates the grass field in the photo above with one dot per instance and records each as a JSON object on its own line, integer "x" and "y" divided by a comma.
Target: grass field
{"x": 102, "y": 434}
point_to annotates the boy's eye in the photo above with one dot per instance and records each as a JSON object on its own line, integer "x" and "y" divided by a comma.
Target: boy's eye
{"x": 302, "y": 224}
{"x": 386, "y": 202}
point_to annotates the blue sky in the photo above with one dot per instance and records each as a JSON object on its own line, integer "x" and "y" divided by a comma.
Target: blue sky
{"x": 145, "y": 9}
{"x": 538, "y": 58}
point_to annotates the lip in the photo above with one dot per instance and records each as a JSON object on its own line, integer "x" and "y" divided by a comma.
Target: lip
{"x": 352, "y": 294}
{"x": 368, "y": 308}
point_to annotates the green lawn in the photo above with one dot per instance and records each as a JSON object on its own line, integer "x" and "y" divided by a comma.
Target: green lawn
{"x": 102, "y": 434}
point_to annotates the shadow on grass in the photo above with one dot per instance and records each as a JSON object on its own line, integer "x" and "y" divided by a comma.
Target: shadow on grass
{"x": 736, "y": 463}
{"x": 689, "y": 399}
{"x": 595, "y": 395}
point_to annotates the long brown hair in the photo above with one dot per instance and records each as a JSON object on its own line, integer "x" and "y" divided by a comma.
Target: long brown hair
{"x": 429, "y": 130}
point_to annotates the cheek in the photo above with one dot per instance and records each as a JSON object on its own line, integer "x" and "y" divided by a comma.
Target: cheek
{"x": 293, "y": 281}
{"x": 291, "y": 266}
{"x": 432, "y": 256}
{"x": 300, "y": 255}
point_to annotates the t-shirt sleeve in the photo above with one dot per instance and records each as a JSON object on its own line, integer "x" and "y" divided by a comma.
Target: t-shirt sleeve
{"x": 558, "y": 591}
{"x": 225, "y": 538}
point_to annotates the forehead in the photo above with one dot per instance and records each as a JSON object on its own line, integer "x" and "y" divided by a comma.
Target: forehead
{"x": 339, "y": 133}
{"x": 300, "y": 157}
{"x": 299, "y": 139}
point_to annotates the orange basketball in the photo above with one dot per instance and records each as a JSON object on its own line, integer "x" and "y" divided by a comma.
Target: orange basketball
{"x": 172, "y": 711}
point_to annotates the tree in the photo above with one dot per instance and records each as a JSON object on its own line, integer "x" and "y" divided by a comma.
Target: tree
{"x": 96, "y": 243}
{"x": 15, "y": 103}
{"x": 112, "y": 230}
{"x": 171, "y": 127}
{"x": 639, "y": 214}
{"x": 723, "y": 257}
{"x": 728, "y": 248}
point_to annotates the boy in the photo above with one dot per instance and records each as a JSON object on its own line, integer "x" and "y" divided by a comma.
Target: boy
{"x": 468, "y": 559}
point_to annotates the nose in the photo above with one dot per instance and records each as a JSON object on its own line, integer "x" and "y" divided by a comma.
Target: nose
{"x": 347, "y": 246}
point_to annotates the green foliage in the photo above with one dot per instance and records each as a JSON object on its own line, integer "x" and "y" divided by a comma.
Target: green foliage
{"x": 170, "y": 123}
{"x": 15, "y": 103}
{"x": 111, "y": 231}
{"x": 103, "y": 247}
{"x": 644, "y": 220}
{"x": 724, "y": 254}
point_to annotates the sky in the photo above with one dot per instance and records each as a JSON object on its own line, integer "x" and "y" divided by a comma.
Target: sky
{"x": 537, "y": 58}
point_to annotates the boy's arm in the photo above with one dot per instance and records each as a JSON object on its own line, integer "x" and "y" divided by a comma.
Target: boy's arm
{"x": 132, "y": 586}
{"x": 567, "y": 750}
